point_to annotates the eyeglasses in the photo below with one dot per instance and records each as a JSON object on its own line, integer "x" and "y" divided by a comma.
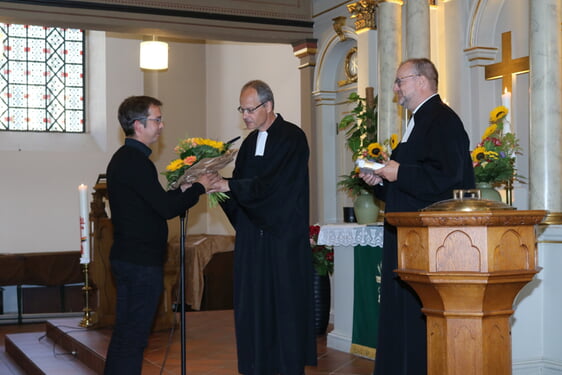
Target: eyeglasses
{"x": 249, "y": 110}
{"x": 158, "y": 121}
{"x": 398, "y": 81}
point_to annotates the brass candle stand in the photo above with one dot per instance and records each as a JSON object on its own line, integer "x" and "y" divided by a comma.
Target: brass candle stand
{"x": 509, "y": 192}
{"x": 87, "y": 320}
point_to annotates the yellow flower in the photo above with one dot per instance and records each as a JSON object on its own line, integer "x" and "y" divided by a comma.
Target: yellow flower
{"x": 479, "y": 153}
{"x": 175, "y": 165}
{"x": 208, "y": 142}
{"x": 374, "y": 149}
{"x": 393, "y": 141}
{"x": 498, "y": 113}
{"x": 489, "y": 131}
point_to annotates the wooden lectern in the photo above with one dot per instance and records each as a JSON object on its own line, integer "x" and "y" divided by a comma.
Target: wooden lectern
{"x": 467, "y": 268}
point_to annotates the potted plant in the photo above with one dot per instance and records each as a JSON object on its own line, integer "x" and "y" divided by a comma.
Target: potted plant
{"x": 361, "y": 138}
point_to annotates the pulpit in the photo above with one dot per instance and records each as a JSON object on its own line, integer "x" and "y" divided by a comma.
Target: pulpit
{"x": 467, "y": 267}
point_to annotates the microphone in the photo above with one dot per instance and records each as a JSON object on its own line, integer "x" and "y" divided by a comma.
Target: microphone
{"x": 232, "y": 141}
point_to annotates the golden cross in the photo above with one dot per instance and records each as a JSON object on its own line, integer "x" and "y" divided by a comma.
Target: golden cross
{"x": 508, "y": 66}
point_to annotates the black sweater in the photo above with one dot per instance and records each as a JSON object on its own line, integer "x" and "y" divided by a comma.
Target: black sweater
{"x": 140, "y": 207}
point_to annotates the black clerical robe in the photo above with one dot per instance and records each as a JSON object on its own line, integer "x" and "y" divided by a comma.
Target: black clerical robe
{"x": 433, "y": 162}
{"x": 269, "y": 208}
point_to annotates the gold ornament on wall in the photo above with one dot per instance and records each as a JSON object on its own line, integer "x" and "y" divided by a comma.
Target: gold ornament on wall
{"x": 350, "y": 67}
{"x": 364, "y": 12}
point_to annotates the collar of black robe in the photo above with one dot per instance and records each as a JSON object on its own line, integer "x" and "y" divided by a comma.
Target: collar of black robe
{"x": 138, "y": 145}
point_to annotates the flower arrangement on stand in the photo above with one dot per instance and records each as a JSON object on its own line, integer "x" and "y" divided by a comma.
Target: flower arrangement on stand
{"x": 197, "y": 156}
{"x": 494, "y": 156}
{"x": 361, "y": 133}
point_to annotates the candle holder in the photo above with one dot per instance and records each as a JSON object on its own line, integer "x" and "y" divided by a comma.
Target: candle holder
{"x": 87, "y": 320}
{"x": 509, "y": 192}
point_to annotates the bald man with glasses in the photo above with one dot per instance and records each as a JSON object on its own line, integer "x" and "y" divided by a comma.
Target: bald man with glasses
{"x": 431, "y": 161}
{"x": 268, "y": 207}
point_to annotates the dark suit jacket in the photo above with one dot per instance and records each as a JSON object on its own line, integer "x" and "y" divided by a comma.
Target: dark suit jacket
{"x": 434, "y": 161}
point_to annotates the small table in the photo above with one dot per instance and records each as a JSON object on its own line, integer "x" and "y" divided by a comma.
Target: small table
{"x": 199, "y": 249}
{"x": 355, "y": 283}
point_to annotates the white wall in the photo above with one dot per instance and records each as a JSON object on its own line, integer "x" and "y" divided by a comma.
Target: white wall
{"x": 41, "y": 172}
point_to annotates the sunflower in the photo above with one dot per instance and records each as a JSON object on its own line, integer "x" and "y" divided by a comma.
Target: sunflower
{"x": 175, "y": 165}
{"x": 374, "y": 149}
{"x": 478, "y": 154}
{"x": 489, "y": 131}
{"x": 498, "y": 113}
{"x": 393, "y": 141}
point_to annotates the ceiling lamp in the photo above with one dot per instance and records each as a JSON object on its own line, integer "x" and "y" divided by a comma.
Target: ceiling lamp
{"x": 154, "y": 55}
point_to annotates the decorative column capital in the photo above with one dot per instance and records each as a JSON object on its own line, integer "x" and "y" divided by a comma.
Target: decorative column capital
{"x": 364, "y": 12}
{"x": 306, "y": 50}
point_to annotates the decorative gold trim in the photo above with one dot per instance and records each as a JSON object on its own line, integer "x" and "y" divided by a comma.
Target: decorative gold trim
{"x": 338, "y": 24}
{"x": 351, "y": 64}
{"x": 364, "y": 11}
{"x": 363, "y": 351}
{"x": 553, "y": 218}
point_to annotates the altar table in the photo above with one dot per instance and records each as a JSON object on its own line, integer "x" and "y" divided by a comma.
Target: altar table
{"x": 355, "y": 282}
{"x": 199, "y": 249}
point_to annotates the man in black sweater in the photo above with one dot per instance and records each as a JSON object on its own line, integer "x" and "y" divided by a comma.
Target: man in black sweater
{"x": 140, "y": 208}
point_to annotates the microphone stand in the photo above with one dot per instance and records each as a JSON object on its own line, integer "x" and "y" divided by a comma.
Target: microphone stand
{"x": 183, "y": 224}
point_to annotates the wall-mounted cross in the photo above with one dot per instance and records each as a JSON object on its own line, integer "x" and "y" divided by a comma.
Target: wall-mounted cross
{"x": 508, "y": 66}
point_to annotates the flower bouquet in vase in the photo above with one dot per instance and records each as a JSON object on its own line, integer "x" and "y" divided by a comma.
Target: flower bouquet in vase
{"x": 493, "y": 158}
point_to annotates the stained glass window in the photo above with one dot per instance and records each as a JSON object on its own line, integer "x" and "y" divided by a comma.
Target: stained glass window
{"x": 41, "y": 79}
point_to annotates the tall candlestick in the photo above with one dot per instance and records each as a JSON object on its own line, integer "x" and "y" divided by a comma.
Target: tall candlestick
{"x": 84, "y": 225}
{"x": 506, "y": 102}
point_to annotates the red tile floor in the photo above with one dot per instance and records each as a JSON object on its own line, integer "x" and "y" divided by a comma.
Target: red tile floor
{"x": 210, "y": 349}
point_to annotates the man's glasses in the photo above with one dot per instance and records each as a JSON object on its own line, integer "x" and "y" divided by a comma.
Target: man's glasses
{"x": 398, "y": 81}
{"x": 158, "y": 121}
{"x": 249, "y": 110}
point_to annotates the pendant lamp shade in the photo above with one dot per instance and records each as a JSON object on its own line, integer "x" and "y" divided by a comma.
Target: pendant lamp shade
{"x": 154, "y": 55}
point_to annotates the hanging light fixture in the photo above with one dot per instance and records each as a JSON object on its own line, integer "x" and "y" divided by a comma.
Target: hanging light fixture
{"x": 154, "y": 55}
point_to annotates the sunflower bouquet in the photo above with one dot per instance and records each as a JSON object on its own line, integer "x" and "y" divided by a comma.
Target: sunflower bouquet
{"x": 197, "y": 156}
{"x": 374, "y": 152}
{"x": 493, "y": 158}
{"x": 360, "y": 126}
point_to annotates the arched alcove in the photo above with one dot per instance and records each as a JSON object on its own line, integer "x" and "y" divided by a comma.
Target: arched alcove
{"x": 330, "y": 105}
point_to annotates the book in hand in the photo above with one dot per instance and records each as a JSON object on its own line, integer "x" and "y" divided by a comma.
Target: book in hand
{"x": 367, "y": 166}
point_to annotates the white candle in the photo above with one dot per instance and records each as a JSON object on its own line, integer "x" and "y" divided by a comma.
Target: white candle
{"x": 84, "y": 225}
{"x": 506, "y": 102}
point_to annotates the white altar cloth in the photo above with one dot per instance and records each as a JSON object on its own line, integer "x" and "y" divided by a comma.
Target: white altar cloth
{"x": 344, "y": 237}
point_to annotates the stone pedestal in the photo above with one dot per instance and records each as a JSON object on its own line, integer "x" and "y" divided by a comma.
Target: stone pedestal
{"x": 467, "y": 268}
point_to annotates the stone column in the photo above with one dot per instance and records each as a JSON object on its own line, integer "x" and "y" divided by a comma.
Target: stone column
{"x": 545, "y": 172}
{"x": 417, "y": 29}
{"x": 305, "y": 51}
{"x": 389, "y": 56}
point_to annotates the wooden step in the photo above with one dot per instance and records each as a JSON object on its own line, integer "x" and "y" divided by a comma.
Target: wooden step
{"x": 36, "y": 354}
{"x": 63, "y": 348}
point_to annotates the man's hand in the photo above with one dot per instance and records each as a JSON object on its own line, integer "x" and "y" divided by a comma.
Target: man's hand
{"x": 370, "y": 178}
{"x": 390, "y": 171}
{"x": 208, "y": 179}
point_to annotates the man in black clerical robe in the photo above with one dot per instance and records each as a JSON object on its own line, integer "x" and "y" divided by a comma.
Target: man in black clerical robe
{"x": 431, "y": 161}
{"x": 269, "y": 208}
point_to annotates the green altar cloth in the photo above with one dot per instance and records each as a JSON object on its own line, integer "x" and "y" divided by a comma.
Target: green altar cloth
{"x": 366, "y": 297}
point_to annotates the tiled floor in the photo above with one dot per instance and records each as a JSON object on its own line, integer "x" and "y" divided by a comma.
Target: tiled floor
{"x": 210, "y": 349}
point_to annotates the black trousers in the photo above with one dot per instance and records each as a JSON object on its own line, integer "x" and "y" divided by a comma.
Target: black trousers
{"x": 139, "y": 289}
